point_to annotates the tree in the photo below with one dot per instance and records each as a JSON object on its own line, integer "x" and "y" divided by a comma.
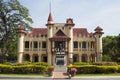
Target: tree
{"x": 111, "y": 48}
{"x": 12, "y": 14}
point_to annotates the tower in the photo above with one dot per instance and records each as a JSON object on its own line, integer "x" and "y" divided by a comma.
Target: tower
{"x": 21, "y": 33}
{"x": 69, "y": 24}
{"x": 49, "y": 25}
{"x": 98, "y": 38}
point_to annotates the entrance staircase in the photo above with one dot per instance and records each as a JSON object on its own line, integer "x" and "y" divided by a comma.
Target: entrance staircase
{"x": 60, "y": 68}
{"x": 60, "y": 72}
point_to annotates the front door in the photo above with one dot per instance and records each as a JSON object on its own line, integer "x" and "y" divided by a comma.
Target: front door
{"x": 60, "y": 59}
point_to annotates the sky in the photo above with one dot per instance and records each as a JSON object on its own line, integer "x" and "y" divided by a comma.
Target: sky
{"x": 85, "y": 13}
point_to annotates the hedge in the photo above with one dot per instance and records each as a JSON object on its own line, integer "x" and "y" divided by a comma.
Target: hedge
{"x": 94, "y": 69}
{"x": 24, "y": 68}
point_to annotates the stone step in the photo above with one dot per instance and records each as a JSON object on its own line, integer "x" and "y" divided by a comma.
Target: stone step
{"x": 60, "y": 72}
{"x": 60, "y": 75}
{"x": 60, "y": 68}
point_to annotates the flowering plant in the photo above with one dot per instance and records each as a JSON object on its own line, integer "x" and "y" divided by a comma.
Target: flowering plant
{"x": 73, "y": 70}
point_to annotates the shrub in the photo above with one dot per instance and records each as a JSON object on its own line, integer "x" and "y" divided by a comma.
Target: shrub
{"x": 40, "y": 63}
{"x": 27, "y": 68}
{"x": 94, "y": 69}
{"x": 105, "y": 63}
{"x": 118, "y": 69}
{"x": 81, "y": 63}
{"x": 106, "y": 69}
{"x": 6, "y": 69}
{"x": 39, "y": 69}
{"x": 50, "y": 70}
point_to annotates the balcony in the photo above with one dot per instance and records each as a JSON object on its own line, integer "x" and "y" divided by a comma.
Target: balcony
{"x": 59, "y": 50}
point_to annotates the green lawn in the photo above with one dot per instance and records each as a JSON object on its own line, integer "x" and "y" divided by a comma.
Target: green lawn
{"x": 23, "y": 74}
{"x": 114, "y": 74}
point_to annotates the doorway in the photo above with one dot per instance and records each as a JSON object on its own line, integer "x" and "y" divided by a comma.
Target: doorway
{"x": 60, "y": 59}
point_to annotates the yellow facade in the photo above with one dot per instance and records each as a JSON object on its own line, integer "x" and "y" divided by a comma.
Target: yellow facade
{"x": 60, "y": 43}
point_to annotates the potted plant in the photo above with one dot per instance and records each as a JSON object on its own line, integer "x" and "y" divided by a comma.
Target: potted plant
{"x": 73, "y": 71}
{"x": 50, "y": 70}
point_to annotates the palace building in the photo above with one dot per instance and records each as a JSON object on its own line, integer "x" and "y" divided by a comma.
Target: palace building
{"x": 59, "y": 44}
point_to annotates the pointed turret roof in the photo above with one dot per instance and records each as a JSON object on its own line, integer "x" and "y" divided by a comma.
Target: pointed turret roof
{"x": 50, "y": 19}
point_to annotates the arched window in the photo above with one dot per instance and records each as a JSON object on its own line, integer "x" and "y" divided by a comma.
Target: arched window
{"x": 84, "y": 58}
{"x": 44, "y": 58}
{"x": 75, "y": 58}
{"x": 35, "y": 56}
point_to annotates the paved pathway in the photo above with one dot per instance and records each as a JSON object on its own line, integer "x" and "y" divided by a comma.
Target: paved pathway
{"x": 60, "y": 75}
{"x": 60, "y": 72}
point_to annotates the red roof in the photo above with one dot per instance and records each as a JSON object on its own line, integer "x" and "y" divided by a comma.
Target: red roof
{"x": 98, "y": 28}
{"x": 59, "y": 34}
{"x": 80, "y": 32}
{"x": 39, "y": 31}
{"x": 50, "y": 17}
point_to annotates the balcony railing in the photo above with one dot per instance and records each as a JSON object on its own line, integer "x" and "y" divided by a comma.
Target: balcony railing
{"x": 35, "y": 49}
{"x": 59, "y": 50}
{"x": 83, "y": 49}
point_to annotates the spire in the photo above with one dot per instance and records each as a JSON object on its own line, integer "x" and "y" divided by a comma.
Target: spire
{"x": 50, "y": 19}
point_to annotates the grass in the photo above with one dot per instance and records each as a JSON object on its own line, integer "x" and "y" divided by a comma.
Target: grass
{"x": 23, "y": 74}
{"x": 114, "y": 74}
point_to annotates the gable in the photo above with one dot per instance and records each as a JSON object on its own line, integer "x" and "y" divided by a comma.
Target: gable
{"x": 60, "y": 33}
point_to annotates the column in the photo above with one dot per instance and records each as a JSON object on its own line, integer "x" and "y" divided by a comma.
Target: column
{"x": 39, "y": 57}
{"x": 20, "y": 57}
{"x": 81, "y": 46}
{"x": 79, "y": 57}
{"x": 31, "y": 57}
{"x": 88, "y": 58}
{"x": 54, "y": 62}
{"x": 38, "y": 46}
{"x": 78, "y": 46}
{"x": 53, "y": 48}
{"x": 20, "y": 48}
{"x": 41, "y": 46}
{"x": 70, "y": 58}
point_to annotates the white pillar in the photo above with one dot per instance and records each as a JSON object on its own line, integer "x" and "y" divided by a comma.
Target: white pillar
{"x": 88, "y": 58}
{"x": 79, "y": 57}
{"x": 31, "y": 57}
{"x": 20, "y": 47}
{"x": 39, "y": 57}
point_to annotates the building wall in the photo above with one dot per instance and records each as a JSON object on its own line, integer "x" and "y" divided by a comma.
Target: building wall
{"x": 86, "y": 52}
{"x": 80, "y": 45}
